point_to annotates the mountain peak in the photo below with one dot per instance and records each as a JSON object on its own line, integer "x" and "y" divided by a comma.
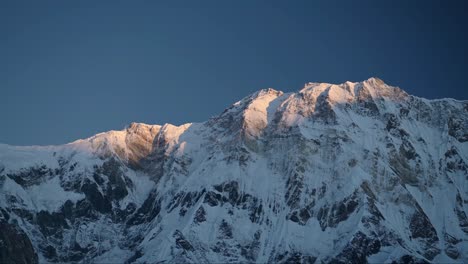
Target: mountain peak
{"x": 267, "y": 91}
{"x": 370, "y": 89}
{"x": 375, "y": 80}
{"x": 372, "y": 81}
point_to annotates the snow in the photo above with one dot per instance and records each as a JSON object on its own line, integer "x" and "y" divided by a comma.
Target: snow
{"x": 143, "y": 185}
{"x": 261, "y": 111}
{"x": 14, "y": 158}
{"x": 50, "y": 196}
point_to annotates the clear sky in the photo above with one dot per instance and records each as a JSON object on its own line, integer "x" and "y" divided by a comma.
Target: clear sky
{"x": 70, "y": 69}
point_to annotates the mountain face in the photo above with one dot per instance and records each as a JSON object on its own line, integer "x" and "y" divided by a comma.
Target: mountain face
{"x": 350, "y": 173}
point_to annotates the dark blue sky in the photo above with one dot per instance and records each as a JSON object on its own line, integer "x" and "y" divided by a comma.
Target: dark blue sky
{"x": 70, "y": 69}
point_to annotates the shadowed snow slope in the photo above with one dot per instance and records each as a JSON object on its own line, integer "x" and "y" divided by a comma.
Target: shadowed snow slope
{"x": 349, "y": 173}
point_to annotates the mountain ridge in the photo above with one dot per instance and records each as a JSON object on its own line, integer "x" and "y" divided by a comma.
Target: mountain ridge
{"x": 349, "y": 173}
{"x": 253, "y": 95}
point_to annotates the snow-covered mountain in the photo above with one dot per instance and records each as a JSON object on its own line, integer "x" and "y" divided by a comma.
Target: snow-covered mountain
{"x": 348, "y": 173}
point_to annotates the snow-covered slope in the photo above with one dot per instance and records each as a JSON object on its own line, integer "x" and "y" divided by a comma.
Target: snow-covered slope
{"x": 343, "y": 173}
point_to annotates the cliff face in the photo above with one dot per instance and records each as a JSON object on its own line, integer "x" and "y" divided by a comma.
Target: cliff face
{"x": 346, "y": 173}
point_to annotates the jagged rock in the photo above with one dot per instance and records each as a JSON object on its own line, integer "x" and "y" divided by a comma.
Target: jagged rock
{"x": 458, "y": 129}
{"x": 421, "y": 227}
{"x": 182, "y": 242}
{"x": 452, "y": 252}
{"x": 200, "y": 215}
{"x": 251, "y": 250}
{"x": 117, "y": 186}
{"x": 225, "y": 230}
{"x": 147, "y": 212}
{"x": 358, "y": 249}
{"x": 99, "y": 202}
{"x": 212, "y": 198}
{"x": 15, "y": 246}
{"x": 31, "y": 176}
{"x": 294, "y": 257}
{"x": 51, "y": 224}
{"x": 338, "y": 212}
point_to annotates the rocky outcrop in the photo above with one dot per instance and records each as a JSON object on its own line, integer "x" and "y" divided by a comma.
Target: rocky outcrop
{"x": 15, "y": 246}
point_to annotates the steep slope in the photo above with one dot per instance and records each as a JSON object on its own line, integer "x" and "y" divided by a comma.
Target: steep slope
{"x": 343, "y": 173}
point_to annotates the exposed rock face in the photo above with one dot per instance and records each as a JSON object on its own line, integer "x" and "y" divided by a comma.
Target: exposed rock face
{"x": 15, "y": 246}
{"x": 349, "y": 173}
